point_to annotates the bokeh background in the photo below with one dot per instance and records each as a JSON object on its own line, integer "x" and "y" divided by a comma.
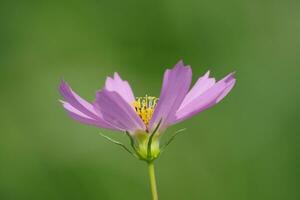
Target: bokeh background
{"x": 245, "y": 148}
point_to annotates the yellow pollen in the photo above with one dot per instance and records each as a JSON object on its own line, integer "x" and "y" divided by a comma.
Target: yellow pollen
{"x": 144, "y": 107}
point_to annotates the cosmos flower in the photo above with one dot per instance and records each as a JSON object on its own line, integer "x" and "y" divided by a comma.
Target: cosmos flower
{"x": 116, "y": 107}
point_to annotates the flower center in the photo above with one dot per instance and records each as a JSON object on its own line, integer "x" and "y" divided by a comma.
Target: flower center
{"x": 144, "y": 107}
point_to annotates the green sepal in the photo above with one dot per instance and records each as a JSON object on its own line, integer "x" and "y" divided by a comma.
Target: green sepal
{"x": 119, "y": 144}
{"x": 163, "y": 147}
{"x": 137, "y": 154}
{"x": 149, "y": 156}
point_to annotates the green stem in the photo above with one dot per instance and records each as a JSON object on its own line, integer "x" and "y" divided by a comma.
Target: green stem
{"x": 152, "y": 181}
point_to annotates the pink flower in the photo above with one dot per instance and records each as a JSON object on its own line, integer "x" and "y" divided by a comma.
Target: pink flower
{"x": 116, "y": 107}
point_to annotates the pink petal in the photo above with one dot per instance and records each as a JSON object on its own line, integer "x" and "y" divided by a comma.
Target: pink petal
{"x": 175, "y": 86}
{"x": 123, "y": 88}
{"x": 206, "y": 99}
{"x": 202, "y": 85}
{"x": 117, "y": 111}
{"x": 81, "y": 110}
{"x": 78, "y": 116}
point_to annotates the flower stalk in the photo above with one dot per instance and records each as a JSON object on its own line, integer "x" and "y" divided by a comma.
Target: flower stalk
{"x": 152, "y": 181}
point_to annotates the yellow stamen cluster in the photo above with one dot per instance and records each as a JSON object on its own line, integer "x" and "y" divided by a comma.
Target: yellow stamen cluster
{"x": 144, "y": 107}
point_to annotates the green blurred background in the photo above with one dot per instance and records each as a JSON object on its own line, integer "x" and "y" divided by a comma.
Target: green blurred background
{"x": 245, "y": 148}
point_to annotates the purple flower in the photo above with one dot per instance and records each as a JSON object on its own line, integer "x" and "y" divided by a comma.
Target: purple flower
{"x": 116, "y": 107}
